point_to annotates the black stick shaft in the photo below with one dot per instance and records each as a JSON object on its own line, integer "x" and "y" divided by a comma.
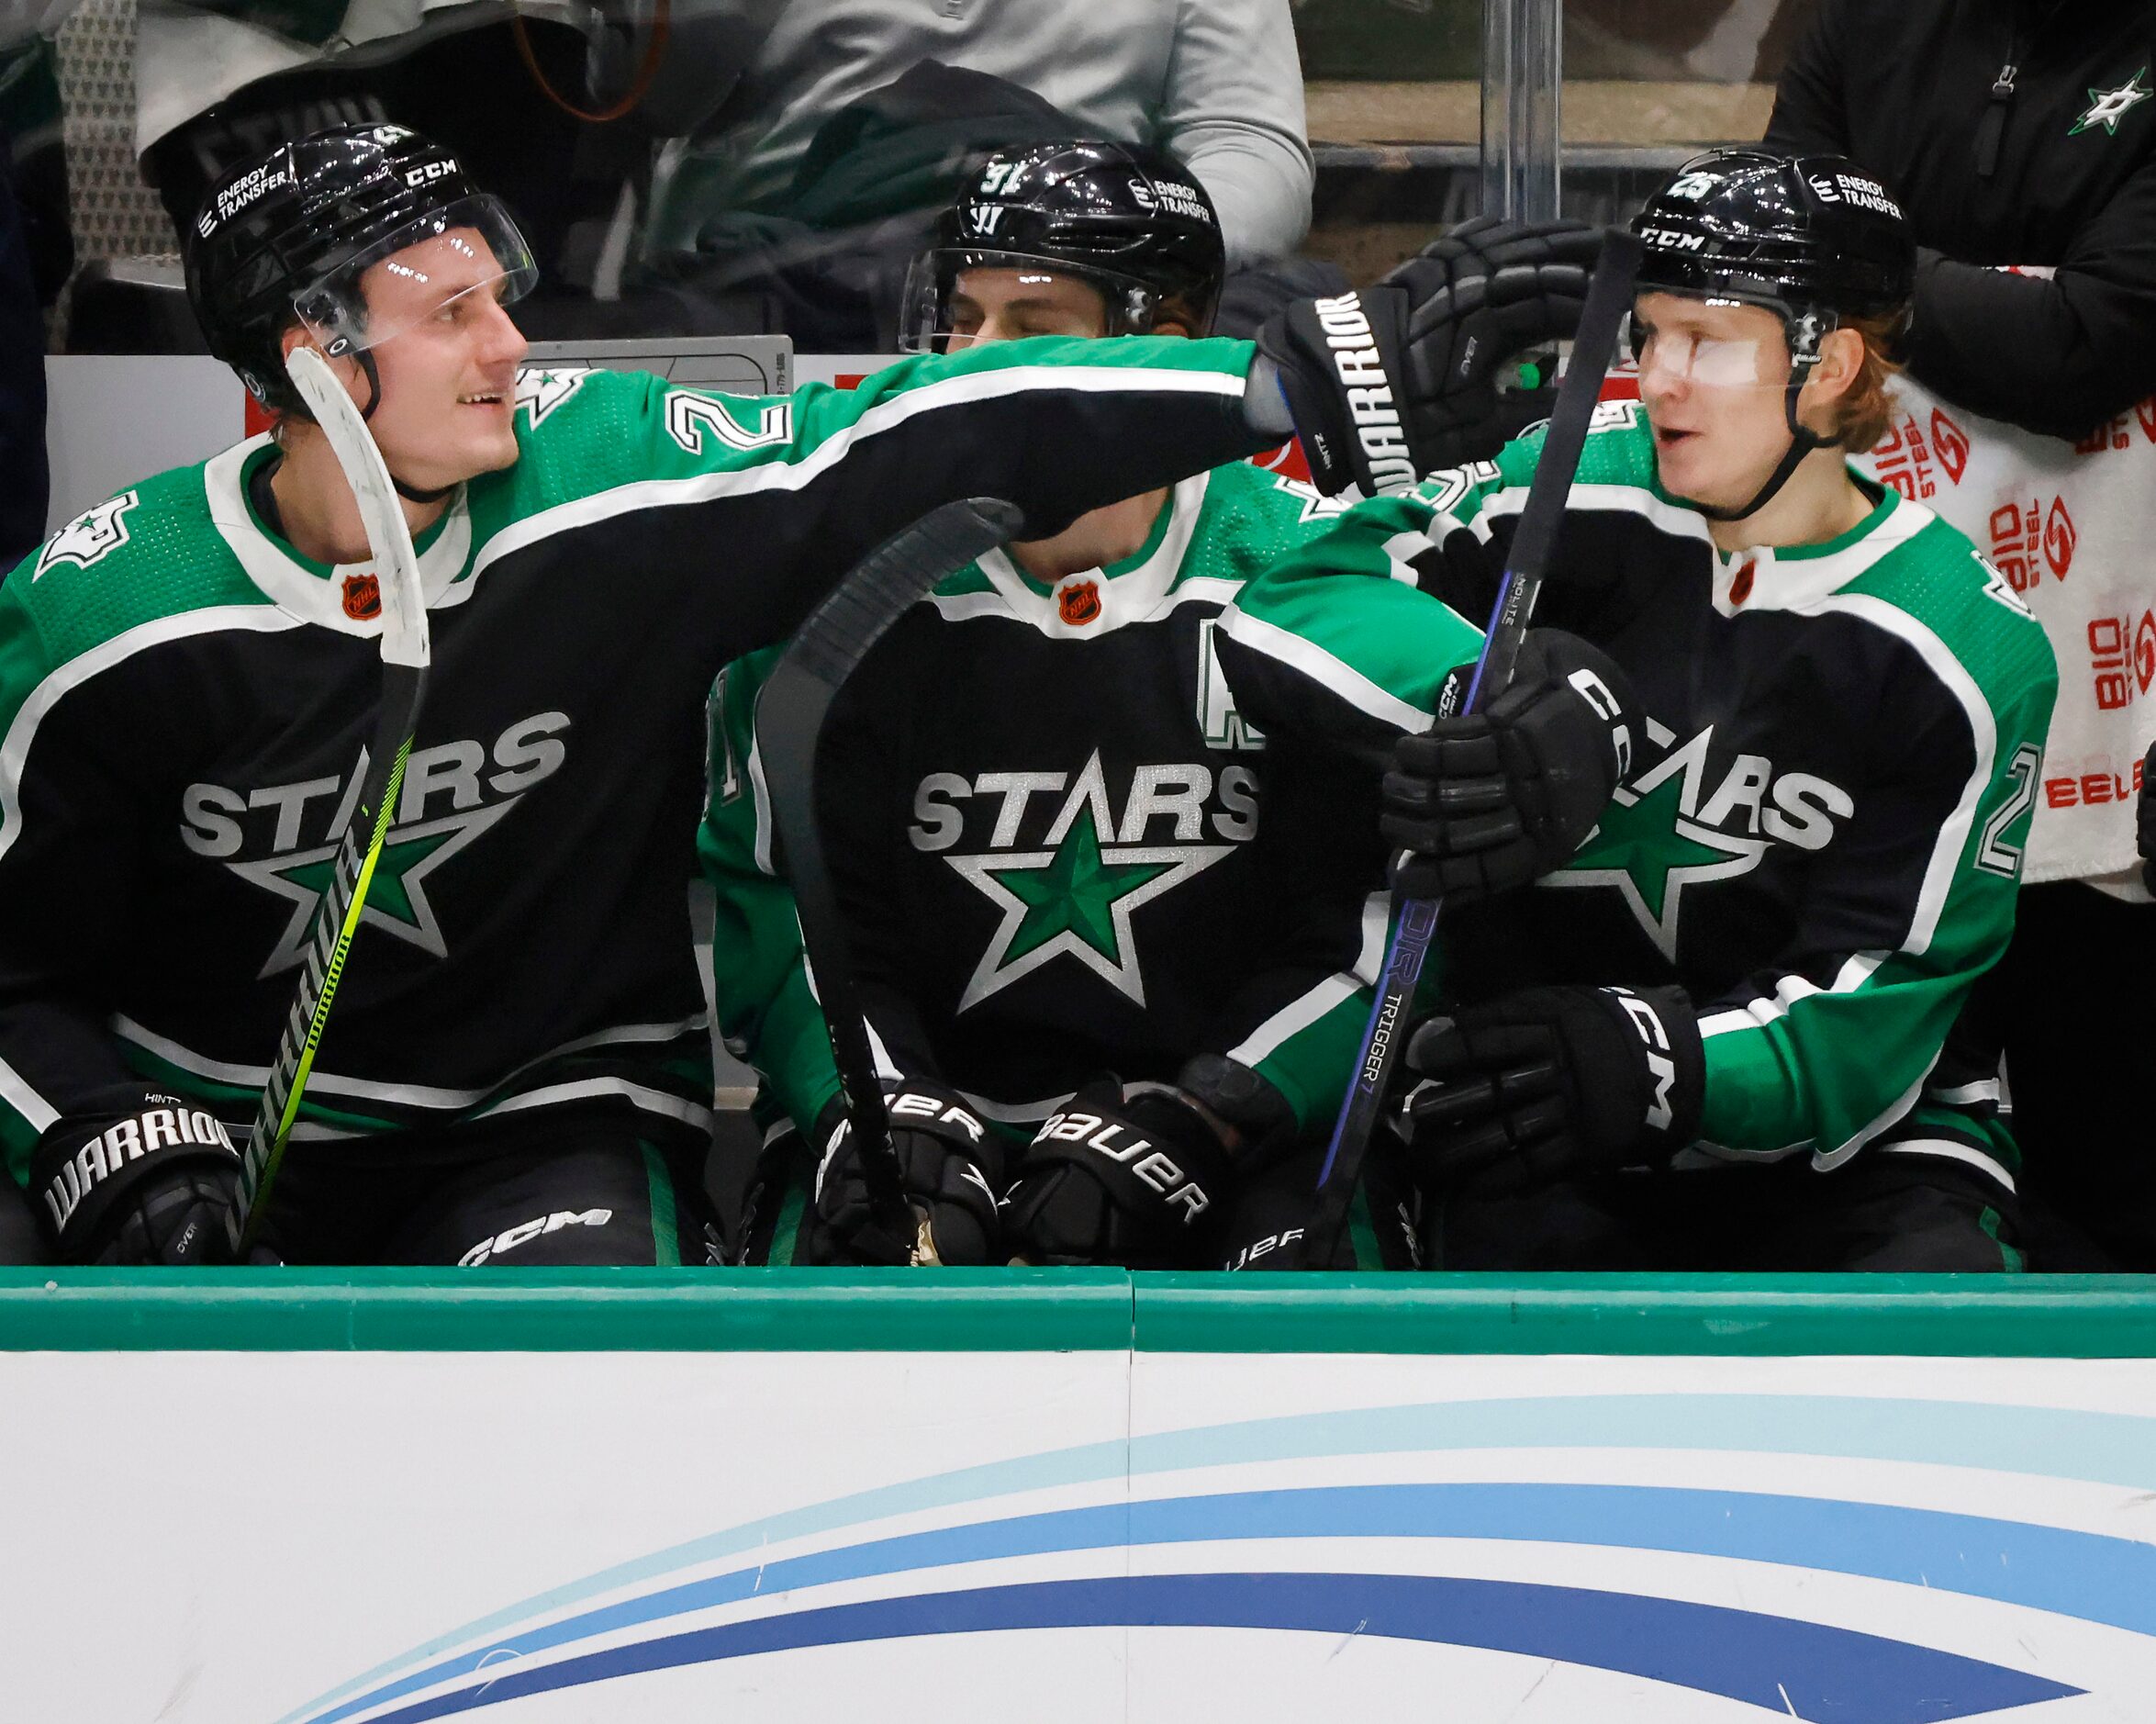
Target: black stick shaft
{"x": 1533, "y": 542}
{"x": 790, "y": 721}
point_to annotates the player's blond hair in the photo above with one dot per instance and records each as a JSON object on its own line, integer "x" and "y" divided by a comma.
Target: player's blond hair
{"x": 1866, "y": 407}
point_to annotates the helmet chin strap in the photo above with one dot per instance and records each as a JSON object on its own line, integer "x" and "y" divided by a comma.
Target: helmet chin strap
{"x": 410, "y": 493}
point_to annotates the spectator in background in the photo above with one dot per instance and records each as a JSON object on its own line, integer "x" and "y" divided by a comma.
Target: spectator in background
{"x": 2020, "y": 137}
{"x": 1217, "y": 81}
{"x": 23, "y": 478}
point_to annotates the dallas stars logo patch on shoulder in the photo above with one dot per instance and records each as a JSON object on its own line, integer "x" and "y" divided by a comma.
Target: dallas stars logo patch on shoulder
{"x": 90, "y": 537}
{"x": 542, "y": 389}
{"x": 2108, "y": 107}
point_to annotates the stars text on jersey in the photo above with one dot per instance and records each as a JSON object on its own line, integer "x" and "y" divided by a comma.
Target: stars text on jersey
{"x": 1664, "y": 830}
{"x": 284, "y": 838}
{"x": 1066, "y": 868}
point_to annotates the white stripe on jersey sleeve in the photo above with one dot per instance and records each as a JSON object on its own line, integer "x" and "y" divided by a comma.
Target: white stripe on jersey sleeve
{"x": 1299, "y": 1015}
{"x": 1322, "y": 668}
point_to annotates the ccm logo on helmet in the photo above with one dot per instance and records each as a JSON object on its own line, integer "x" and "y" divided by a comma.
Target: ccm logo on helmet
{"x": 1370, "y": 394}
{"x": 1672, "y": 238}
{"x": 1137, "y": 1154}
{"x": 427, "y": 173}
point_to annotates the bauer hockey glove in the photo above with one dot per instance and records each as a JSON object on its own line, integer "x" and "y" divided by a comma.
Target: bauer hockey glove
{"x": 1139, "y": 1174}
{"x": 1549, "y": 1085}
{"x": 950, "y": 1167}
{"x": 1478, "y": 296}
{"x": 1486, "y": 802}
{"x": 149, "y": 1186}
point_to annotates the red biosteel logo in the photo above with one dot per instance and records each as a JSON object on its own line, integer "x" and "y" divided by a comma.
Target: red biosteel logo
{"x": 2029, "y": 538}
{"x": 2122, "y": 658}
{"x": 1952, "y": 444}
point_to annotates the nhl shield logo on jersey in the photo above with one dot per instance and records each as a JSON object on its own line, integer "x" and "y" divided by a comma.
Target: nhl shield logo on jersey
{"x": 363, "y": 598}
{"x": 1079, "y": 602}
{"x": 90, "y": 537}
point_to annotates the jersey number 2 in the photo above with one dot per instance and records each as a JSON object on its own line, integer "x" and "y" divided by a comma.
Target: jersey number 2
{"x": 1995, "y": 854}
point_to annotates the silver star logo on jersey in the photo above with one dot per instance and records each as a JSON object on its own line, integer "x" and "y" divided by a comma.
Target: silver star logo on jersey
{"x": 93, "y": 534}
{"x": 1075, "y": 900}
{"x": 2108, "y": 107}
{"x": 396, "y": 898}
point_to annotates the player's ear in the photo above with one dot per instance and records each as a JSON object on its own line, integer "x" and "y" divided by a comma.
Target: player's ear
{"x": 1841, "y": 359}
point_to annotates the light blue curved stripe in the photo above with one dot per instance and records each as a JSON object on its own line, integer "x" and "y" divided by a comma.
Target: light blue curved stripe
{"x": 2061, "y": 1443}
{"x": 2087, "y": 1575}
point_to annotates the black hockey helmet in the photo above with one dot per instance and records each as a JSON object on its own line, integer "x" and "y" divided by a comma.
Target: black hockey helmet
{"x": 1129, "y": 219}
{"x": 1813, "y": 239}
{"x": 1804, "y": 236}
{"x": 288, "y": 235}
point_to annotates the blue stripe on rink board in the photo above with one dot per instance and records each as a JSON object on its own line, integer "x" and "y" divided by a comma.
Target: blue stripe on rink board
{"x": 2052, "y": 1442}
{"x": 1799, "y": 1668}
{"x": 2086, "y": 1575}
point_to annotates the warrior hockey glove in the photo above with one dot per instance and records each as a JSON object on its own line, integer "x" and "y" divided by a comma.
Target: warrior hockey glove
{"x": 950, "y": 1167}
{"x": 152, "y": 1186}
{"x": 1480, "y": 295}
{"x": 1486, "y": 802}
{"x": 1139, "y": 1174}
{"x": 1340, "y": 366}
{"x": 1551, "y": 1083}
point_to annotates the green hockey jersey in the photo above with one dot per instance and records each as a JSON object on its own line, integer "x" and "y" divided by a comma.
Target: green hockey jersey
{"x": 184, "y": 702}
{"x": 1819, "y": 836}
{"x": 1064, "y": 842}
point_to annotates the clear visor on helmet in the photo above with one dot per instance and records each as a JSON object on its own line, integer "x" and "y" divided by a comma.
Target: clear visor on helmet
{"x": 434, "y": 267}
{"x": 1017, "y": 295}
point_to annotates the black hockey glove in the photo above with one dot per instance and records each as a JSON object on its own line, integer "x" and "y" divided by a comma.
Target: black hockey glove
{"x": 1551, "y": 1083}
{"x": 2145, "y": 822}
{"x": 1139, "y": 1174}
{"x": 151, "y": 1186}
{"x": 1478, "y": 296}
{"x": 1485, "y": 803}
{"x": 950, "y": 1167}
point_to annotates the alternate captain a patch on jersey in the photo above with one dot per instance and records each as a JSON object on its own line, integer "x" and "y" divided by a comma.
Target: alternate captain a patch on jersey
{"x": 90, "y": 537}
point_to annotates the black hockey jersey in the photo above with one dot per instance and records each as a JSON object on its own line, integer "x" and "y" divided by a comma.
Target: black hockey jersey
{"x": 184, "y": 700}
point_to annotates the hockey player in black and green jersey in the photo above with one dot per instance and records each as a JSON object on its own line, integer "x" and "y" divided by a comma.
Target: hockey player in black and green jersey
{"x": 1093, "y": 898}
{"x": 514, "y": 1069}
{"x": 1717, "y": 1036}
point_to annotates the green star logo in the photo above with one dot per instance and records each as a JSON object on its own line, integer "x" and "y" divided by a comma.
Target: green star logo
{"x": 1649, "y": 852}
{"x": 396, "y": 898}
{"x": 2108, "y": 107}
{"x": 1074, "y": 901}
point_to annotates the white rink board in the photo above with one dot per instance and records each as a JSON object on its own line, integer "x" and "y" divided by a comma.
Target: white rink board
{"x": 306, "y": 1537}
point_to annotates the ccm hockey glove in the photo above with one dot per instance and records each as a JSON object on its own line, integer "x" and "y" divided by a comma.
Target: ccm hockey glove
{"x": 1138, "y": 1174}
{"x": 1485, "y": 803}
{"x": 1551, "y": 1083}
{"x": 150, "y": 1186}
{"x": 950, "y": 1167}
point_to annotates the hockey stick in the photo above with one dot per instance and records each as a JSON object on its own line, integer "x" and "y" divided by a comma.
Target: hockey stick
{"x": 1594, "y": 348}
{"x": 790, "y": 721}
{"x": 405, "y": 655}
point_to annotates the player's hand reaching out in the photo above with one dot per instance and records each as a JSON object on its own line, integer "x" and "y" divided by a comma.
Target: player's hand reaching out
{"x": 1399, "y": 379}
